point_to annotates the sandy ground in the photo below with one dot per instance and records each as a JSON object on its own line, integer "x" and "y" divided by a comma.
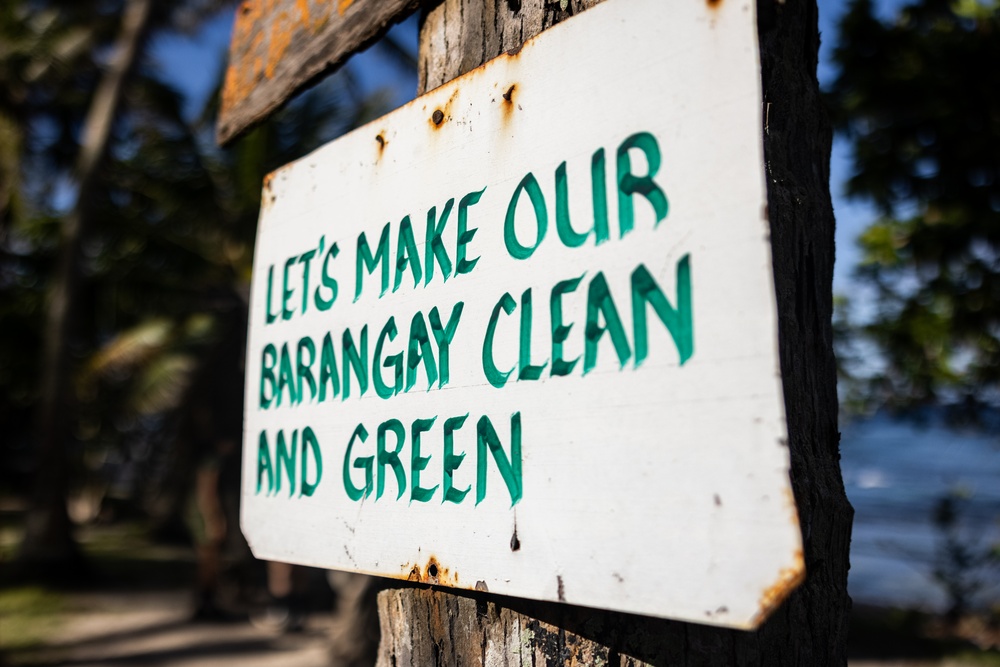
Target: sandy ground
{"x": 154, "y": 629}
{"x": 144, "y": 628}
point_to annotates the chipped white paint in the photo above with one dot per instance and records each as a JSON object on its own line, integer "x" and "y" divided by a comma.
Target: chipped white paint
{"x": 660, "y": 488}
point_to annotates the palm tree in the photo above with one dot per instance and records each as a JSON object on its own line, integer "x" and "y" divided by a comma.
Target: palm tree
{"x": 147, "y": 266}
{"x": 48, "y": 537}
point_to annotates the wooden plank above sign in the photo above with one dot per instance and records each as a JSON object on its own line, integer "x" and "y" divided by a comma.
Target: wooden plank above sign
{"x": 281, "y": 46}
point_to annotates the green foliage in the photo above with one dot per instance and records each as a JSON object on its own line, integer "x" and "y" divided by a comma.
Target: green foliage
{"x": 28, "y": 616}
{"x": 919, "y": 100}
{"x": 166, "y": 264}
{"x": 46, "y": 65}
{"x": 963, "y": 566}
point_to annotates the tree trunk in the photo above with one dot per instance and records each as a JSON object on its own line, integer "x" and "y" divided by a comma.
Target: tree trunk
{"x": 48, "y": 544}
{"x": 425, "y": 626}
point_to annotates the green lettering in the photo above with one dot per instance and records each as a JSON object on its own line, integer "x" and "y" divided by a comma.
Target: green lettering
{"x": 569, "y": 237}
{"x": 418, "y": 462}
{"x": 406, "y": 254}
{"x": 385, "y": 457}
{"x": 443, "y": 337}
{"x": 328, "y": 372}
{"x": 286, "y": 378}
{"x": 366, "y": 261}
{"x": 599, "y": 302}
{"x": 679, "y": 321}
{"x": 286, "y": 294}
{"x": 452, "y": 461}
{"x": 267, "y": 379}
{"x": 264, "y": 463}
{"x": 286, "y": 460}
{"x": 419, "y": 348}
{"x": 310, "y": 445}
{"x": 352, "y": 359}
{"x": 528, "y": 371}
{"x": 629, "y": 184}
{"x": 329, "y": 282}
{"x": 496, "y": 377}
{"x": 306, "y": 258}
{"x": 434, "y": 247}
{"x": 394, "y": 361}
{"x": 510, "y": 469}
{"x": 514, "y": 248}
{"x": 599, "y": 194}
{"x": 269, "y": 316}
{"x": 463, "y": 265}
{"x": 305, "y": 369}
{"x": 361, "y": 463}
{"x": 560, "y": 331}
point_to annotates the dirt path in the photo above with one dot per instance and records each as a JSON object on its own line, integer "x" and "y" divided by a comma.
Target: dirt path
{"x": 143, "y": 628}
{"x": 153, "y": 628}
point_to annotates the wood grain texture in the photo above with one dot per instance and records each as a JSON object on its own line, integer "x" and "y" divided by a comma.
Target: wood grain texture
{"x": 457, "y": 36}
{"x": 454, "y": 629}
{"x": 421, "y": 626}
{"x": 280, "y": 47}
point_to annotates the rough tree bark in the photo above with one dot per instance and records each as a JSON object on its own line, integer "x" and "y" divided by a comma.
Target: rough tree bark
{"x": 425, "y": 626}
{"x": 48, "y": 536}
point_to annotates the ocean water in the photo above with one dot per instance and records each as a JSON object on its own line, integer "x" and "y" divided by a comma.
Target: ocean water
{"x": 895, "y": 474}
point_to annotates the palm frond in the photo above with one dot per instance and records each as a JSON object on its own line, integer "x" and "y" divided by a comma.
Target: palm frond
{"x": 133, "y": 347}
{"x": 161, "y": 385}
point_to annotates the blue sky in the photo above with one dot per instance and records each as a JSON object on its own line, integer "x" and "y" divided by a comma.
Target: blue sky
{"x": 193, "y": 64}
{"x": 852, "y": 216}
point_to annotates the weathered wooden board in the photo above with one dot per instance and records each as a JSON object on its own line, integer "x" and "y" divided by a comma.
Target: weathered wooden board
{"x": 520, "y": 334}
{"x": 494, "y": 26}
{"x": 281, "y": 46}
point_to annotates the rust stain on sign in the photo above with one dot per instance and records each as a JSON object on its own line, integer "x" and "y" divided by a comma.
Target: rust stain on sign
{"x": 268, "y": 197}
{"x": 433, "y": 573}
{"x": 281, "y": 46}
{"x": 507, "y": 101}
{"x": 443, "y": 112}
{"x": 788, "y": 580}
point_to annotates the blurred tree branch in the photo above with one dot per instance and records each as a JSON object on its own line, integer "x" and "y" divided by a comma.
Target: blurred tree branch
{"x": 126, "y": 239}
{"x": 918, "y": 98}
{"x": 48, "y": 537}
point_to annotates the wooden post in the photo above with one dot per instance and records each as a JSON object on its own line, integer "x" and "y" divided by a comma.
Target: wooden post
{"x": 429, "y": 626}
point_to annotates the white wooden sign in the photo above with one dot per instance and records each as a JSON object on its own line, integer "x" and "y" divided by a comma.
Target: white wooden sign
{"x": 520, "y": 334}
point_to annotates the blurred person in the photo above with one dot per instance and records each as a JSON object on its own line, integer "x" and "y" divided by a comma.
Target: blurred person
{"x": 209, "y": 527}
{"x": 355, "y": 634}
{"x": 285, "y": 610}
{"x": 211, "y": 433}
